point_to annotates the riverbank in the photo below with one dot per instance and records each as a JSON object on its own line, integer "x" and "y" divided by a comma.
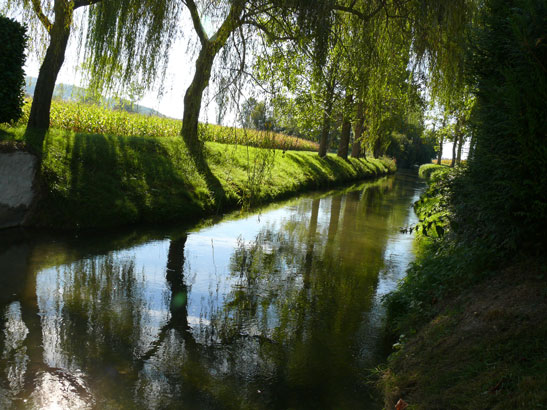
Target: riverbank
{"x": 470, "y": 325}
{"x": 99, "y": 181}
{"x": 483, "y": 348}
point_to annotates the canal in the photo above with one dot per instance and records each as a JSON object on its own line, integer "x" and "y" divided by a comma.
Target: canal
{"x": 276, "y": 309}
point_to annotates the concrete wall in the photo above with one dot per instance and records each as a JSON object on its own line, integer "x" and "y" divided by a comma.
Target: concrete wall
{"x": 17, "y": 172}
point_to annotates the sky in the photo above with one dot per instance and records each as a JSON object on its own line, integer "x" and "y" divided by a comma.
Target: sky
{"x": 178, "y": 75}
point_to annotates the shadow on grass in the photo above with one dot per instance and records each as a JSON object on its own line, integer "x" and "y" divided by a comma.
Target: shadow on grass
{"x": 310, "y": 166}
{"x": 34, "y": 140}
{"x": 197, "y": 154}
{"x": 98, "y": 180}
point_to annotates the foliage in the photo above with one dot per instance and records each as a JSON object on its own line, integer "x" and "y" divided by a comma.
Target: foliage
{"x": 432, "y": 208}
{"x": 254, "y": 115}
{"x": 127, "y": 42}
{"x": 94, "y": 119}
{"x": 12, "y": 60}
{"x": 426, "y": 170}
{"x": 410, "y": 145}
{"x": 502, "y": 199}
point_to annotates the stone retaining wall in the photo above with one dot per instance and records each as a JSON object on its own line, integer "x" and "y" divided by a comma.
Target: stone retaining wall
{"x": 17, "y": 173}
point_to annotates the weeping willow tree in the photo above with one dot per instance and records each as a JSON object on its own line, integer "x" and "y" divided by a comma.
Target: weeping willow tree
{"x": 127, "y": 43}
{"x": 440, "y": 38}
{"x": 51, "y": 22}
{"x": 137, "y": 32}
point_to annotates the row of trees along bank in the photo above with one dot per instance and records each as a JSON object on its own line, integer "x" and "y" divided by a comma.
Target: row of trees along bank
{"x": 339, "y": 61}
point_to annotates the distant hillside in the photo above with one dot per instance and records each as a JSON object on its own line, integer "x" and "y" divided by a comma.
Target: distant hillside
{"x": 69, "y": 92}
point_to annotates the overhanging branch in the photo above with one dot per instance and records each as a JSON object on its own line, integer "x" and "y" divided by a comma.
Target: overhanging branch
{"x": 197, "y": 21}
{"x": 82, "y": 3}
{"x": 41, "y": 16}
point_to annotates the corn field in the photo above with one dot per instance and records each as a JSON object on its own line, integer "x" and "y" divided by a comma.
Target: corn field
{"x": 94, "y": 119}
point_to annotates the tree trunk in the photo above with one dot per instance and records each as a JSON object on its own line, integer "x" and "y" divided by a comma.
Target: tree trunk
{"x": 440, "y": 155}
{"x": 38, "y": 122}
{"x": 358, "y": 131}
{"x": 460, "y": 146}
{"x": 209, "y": 49}
{"x": 193, "y": 97}
{"x": 454, "y": 146}
{"x": 471, "y": 147}
{"x": 343, "y": 145}
{"x": 329, "y": 101}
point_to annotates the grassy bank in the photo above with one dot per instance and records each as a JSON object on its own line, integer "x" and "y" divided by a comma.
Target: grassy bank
{"x": 426, "y": 170}
{"x": 471, "y": 325}
{"x": 96, "y": 180}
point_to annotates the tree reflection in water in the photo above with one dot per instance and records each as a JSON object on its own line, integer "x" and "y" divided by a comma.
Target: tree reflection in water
{"x": 281, "y": 328}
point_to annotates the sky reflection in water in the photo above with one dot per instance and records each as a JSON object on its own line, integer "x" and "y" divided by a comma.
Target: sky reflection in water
{"x": 276, "y": 310}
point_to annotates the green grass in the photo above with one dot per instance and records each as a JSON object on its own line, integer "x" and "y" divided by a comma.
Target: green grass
{"x": 94, "y": 119}
{"x": 483, "y": 348}
{"x": 92, "y": 180}
{"x": 426, "y": 170}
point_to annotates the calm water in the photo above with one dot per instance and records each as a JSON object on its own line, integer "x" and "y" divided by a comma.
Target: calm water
{"x": 278, "y": 309}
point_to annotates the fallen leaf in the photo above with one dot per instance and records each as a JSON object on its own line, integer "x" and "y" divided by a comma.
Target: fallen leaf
{"x": 401, "y": 405}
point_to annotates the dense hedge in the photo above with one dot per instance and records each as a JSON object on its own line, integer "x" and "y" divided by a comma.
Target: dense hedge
{"x": 12, "y": 77}
{"x": 502, "y": 199}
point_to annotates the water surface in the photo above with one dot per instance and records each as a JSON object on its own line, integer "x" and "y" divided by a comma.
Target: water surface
{"x": 272, "y": 310}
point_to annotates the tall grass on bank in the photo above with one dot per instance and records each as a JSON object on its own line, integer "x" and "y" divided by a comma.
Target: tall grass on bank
{"x": 94, "y": 119}
{"x": 92, "y": 180}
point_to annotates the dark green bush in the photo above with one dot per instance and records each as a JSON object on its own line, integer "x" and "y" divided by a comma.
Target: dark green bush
{"x": 13, "y": 41}
{"x": 502, "y": 199}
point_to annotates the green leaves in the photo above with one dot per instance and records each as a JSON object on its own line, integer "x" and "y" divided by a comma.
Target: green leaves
{"x": 12, "y": 77}
{"x": 432, "y": 208}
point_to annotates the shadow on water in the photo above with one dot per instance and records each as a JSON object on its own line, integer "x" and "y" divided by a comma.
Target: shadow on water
{"x": 269, "y": 311}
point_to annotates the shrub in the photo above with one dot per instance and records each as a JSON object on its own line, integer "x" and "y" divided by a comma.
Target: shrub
{"x": 426, "y": 170}
{"x": 502, "y": 199}
{"x": 12, "y": 76}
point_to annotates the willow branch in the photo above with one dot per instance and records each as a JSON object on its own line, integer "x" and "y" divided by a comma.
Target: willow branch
{"x": 360, "y": 14}
{"x": 82, "y": 3}
{"x": 231, "y": 23}
{"x": 197, "y": 21}
{"x": 41, "y": 16}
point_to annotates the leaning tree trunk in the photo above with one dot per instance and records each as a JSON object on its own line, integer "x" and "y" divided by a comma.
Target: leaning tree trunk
{"x": 358, "y": 131}
{"x": 343, "y": 145}
{"x": 38, "y": 122}
{"x": 192, "y": 100}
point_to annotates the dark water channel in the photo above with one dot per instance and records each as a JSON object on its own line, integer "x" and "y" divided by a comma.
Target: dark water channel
{"x": 275, "y": 310}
